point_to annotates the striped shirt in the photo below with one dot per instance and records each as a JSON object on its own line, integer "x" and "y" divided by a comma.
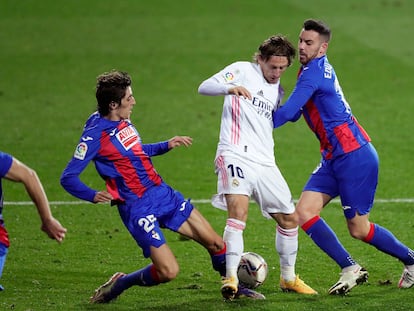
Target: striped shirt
{"x": 120, "y": 159}
{"x": 246, "y": 124}
{"x": 319, "y": 97}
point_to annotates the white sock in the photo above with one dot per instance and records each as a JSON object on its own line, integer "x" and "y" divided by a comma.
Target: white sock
{"x": 233, "y": 236}
{"x": 287, "y": 247}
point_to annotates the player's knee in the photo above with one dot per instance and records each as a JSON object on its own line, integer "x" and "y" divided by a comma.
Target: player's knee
{"x": 212, "y": 241}
{"x": 303, "y": 216}
{"x": 287, "y": 221}
{"x": 359, "y": 227}
{"x": 169, "y": 273}
{"x": 357, "y": 234}
{"x": 215, "y": 245}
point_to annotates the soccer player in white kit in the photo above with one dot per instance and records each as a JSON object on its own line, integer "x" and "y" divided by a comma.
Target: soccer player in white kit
{"x": 245, "y": 161}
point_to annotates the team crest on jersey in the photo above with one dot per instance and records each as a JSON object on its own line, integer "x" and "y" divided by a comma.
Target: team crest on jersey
{"x": 235, "y": 183}
{"x": 80, "y": 151}
{"x": 128, "y": 137}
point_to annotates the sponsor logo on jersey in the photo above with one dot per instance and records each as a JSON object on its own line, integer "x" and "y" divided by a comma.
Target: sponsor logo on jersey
{"x": 80, "y": 151}
{"x": 128, "y": 137}
{"x": 263, "y": 106}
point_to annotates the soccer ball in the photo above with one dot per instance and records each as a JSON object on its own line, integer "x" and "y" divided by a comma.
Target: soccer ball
{"x": 252, "y": 270}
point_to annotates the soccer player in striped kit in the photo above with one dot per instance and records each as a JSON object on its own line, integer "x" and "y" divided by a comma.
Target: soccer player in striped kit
{"x": 348, "y": 168}
{"x": 245, "y": 161}
{"x": 145, "y": 202}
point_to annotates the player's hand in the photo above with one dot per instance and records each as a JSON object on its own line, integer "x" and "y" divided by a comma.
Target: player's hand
{"x": 240, "y": 91}
{"x": 54, "y": 229}
{"x": 102, "y": 197}
{"x": 179, "y": 141}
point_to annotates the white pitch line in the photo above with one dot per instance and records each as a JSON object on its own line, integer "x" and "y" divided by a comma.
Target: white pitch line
{"x": 199, "y": 201}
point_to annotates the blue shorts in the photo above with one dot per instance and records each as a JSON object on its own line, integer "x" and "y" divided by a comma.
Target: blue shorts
{"x": 160, "y": 207}
{"x": 353, "y": 176}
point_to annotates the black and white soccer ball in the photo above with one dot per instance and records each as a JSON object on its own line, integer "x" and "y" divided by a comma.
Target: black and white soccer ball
{"x": 252, "y": 270}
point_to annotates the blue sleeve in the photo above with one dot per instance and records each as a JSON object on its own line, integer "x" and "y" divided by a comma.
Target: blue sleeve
{"x": 156, "y": 148}
{"x": 6, "y": 161}
{"x": 292, "y": 109}
{"x": 70, "y": 181}
{"x": 277, "y": 122}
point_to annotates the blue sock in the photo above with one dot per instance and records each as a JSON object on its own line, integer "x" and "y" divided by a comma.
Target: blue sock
{"x": 219, "y": 261}
{"x": 323, "y": 236}
{"x": 386, "y": 242}
{"x": 144, "y": 277}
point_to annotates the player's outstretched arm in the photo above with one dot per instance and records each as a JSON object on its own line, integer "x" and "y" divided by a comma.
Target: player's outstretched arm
{"x": 19, "y": 172}
{"x": 177, "y": 141}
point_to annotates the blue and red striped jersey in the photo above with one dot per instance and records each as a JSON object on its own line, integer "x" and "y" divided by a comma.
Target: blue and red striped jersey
{"x": 120, "y": 159}
{"x": 6, "y": 161}
{"x": 319, "y": 97}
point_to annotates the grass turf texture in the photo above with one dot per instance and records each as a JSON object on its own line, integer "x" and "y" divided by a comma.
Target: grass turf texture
{"x": 52, "y": 52}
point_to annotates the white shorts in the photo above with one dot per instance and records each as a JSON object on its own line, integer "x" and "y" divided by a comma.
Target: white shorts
{"x": 264, "y": 184}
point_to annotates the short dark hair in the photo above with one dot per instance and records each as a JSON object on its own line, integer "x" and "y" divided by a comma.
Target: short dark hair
{"x": 319, "y": 26}
{"x": 111, "y": 87}
{"x": 277, "y": 45}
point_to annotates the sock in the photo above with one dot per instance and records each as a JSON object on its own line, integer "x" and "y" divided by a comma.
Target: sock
{"x": 386, "y": 242}
{"x": 219, "y": 261}
{"x": 233, "y": 236}
{"x": 323, "y": 236}
{"x": 287, "y": 247}
{"x": 144, "y": 277}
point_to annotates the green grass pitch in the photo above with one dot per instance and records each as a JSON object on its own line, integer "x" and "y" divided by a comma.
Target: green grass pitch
{"x": 50, "y": 55}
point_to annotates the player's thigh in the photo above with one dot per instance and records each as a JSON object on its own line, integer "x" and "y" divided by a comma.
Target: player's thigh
{"x": 179, "y": 215}
{"x": 199, "y": 229}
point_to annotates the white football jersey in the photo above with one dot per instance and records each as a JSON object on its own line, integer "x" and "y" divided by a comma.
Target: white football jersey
{"x": 246, "y": 125}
